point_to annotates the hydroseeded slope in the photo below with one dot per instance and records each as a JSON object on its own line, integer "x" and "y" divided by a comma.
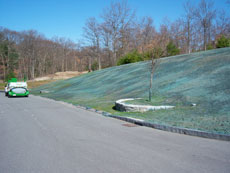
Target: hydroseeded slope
{"x": 202, "y": 78}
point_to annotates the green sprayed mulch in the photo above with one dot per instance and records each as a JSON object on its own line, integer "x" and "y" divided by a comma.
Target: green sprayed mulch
{"x": 202, "y": 78}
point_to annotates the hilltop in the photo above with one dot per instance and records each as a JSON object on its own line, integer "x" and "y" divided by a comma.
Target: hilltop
{"x": 201, "y": 78}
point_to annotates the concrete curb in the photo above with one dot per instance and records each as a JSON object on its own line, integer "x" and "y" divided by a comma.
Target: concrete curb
{"x": 185, "y": 131}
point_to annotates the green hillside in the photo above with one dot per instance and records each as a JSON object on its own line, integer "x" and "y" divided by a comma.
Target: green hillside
{"x": 202, "y": 78}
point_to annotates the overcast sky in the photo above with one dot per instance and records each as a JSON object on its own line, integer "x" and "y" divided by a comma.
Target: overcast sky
{"x": 65, "y": 18}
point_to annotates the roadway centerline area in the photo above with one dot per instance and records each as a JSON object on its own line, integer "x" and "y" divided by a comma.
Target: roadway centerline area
{"x": 41, "y": 135}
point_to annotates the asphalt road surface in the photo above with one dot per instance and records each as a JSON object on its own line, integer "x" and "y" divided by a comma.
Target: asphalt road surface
{"x": 45, "y": 136}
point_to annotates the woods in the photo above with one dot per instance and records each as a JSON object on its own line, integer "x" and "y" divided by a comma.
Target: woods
{"x": 116, "y": 34}
{"x": 29, "y": 54}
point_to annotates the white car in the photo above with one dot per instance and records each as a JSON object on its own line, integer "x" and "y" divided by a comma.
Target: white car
{"x": 16, "y": 89}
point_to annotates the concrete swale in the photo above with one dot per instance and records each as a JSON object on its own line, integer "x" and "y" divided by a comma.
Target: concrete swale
{"x": 120, "y": 105}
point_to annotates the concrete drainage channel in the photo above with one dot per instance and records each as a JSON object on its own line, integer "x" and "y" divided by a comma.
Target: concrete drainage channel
{"x": 139, "y": 122}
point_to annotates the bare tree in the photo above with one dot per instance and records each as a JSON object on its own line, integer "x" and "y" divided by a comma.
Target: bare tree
{"x": 177, "y": 34}
{"x": 88, "y": 53}
{"x": 188, "y": 22}
{"x": 92, "y": 32}
{"x": 205, "y": 15}
{"x": 155, "y": 53}
{"x": 222, "y": 24}
{"x": 106, "y": 41}
{"x": 117, "y": 19}
{"x": 164, "y": 36}
{"x": 146, "y": 32}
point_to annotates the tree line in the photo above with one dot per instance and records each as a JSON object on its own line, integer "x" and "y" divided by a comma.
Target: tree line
{"x": 120, "y": 37}
{"x": 29, "y": 54}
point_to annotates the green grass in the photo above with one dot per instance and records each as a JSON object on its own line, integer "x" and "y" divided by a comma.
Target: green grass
{"x": 201, "y": 78}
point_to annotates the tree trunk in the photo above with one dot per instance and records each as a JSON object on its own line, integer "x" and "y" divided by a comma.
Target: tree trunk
{"x": 33, "y": 66}
{"x": 90, "y": 64}
{"x": 188, "y": 39}
{"x": 205, "y": 38}
{"x": 151, "y": 79}
{"x": 114, "y": 52}
{"x": 99, "y": 62}
{"x": 4, "y": 69}
{"x": 150, "y": 88}
{"x": 98, "y": 55}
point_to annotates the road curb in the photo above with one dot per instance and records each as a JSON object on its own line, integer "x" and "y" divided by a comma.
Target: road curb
{"x": 185, "y": 131}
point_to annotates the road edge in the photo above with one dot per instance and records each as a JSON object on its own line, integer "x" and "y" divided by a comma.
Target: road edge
{"x": 185, "y": 131}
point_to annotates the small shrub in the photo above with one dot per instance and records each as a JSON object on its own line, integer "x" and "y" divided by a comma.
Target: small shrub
{"x": 172, "y": 49}
{"x": 210, "y": 47}
{"x": 131, "y": 57}
{"x": 223, "y": 42}
{"x": 94, "y": 66}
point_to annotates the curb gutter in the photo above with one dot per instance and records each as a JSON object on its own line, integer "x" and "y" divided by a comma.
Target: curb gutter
{"x": 179, "y": 130}
{"x": 185, "y": 131}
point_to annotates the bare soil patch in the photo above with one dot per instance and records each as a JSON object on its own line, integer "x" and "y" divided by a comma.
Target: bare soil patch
{"x": 60, "y": 75}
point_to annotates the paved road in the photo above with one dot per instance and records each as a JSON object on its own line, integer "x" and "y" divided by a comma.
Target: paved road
{"x": 40, "y": 135}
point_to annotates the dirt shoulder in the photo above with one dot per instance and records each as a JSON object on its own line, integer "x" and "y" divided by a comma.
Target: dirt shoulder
{"x": 60, "y": 75}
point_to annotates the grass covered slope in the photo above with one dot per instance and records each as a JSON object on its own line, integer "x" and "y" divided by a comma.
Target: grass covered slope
{"x": 202, "y": 78}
